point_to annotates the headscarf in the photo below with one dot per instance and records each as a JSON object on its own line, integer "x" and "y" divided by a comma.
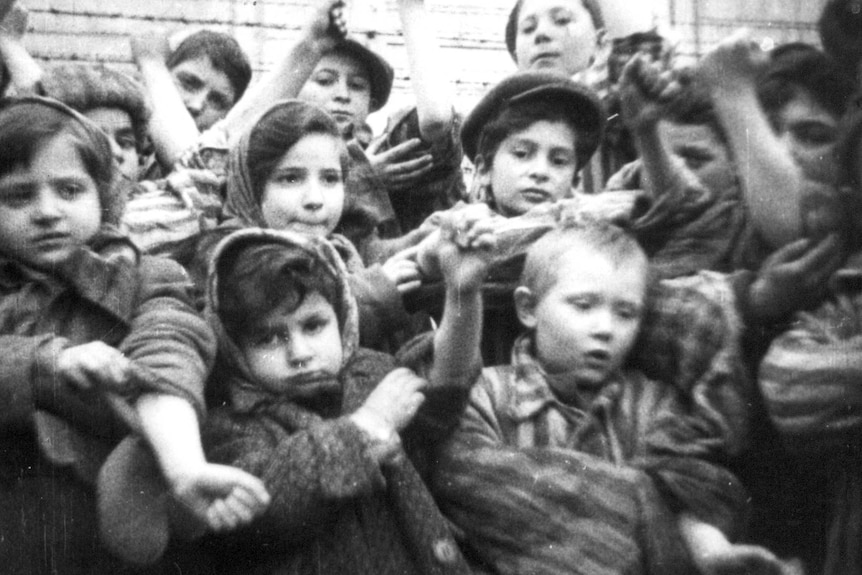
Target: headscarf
{"x": 243, "y": 391}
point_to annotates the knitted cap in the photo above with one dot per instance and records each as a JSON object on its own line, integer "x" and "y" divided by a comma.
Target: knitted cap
{"x": 84, "y": 87}
{"x": 582, "y": 105}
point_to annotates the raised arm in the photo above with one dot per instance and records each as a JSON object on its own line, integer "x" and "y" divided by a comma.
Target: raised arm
{"x": 171, "y": 127}
{"x": 24, "y": 71}
{"x": 772, "y": 183}
{"x": 324, "y": 27}
{"x": 431, "y": 86}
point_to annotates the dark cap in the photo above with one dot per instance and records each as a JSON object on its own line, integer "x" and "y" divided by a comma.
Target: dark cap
{"x": 583, "y": 106}
{"x": 380, "y": 73}
{"x": 840, "y": 27}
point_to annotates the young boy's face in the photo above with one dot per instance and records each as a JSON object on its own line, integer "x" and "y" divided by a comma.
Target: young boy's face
{"x": 297, "y": 352}
{"x": 556, "y": 35}
{"x": 810, "y": 133}
{"x": 340, "y": 85}
{"x": 117, "y": 125}
{"x": 305, "y": 191}
{"x": 49, "y": 208}
{"x": 702, "y": 151}
{"x": 206, "y": 92}
{"x": 586, "y": 323}
{"x": 532, "y": 167}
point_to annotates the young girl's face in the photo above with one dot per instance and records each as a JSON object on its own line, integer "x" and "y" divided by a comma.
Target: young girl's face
{"x": 555, "y": 35}
{"x": 296, "y": 352}
{"x": 531, "y": 167}
{"x": 117, "y": 125}
{"x": 305, "y": 191}
{"x": 206, "y": 92}
{"x": 50, "y": 207}
{"x": 340, "y": 85}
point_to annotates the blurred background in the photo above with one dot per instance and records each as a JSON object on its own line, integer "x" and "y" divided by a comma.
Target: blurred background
{"x": 470, "y": 31}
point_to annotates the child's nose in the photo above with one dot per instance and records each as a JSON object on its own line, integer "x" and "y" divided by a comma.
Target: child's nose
{"x": 313, "y": 198}
{"x": 539, "y": 168}
{"x": 300, "y": 353}
{"x": 195, "y": 102}
{"x": 47, "y": 206}
{"x": 603, "y": 322}
{"x": 342, "y": 91}
{"x": 116, "y": 150}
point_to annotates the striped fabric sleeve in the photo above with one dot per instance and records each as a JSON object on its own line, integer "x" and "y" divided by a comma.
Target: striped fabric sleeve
{"x": 548, "y": 510}
{"x": 811, "y": 381}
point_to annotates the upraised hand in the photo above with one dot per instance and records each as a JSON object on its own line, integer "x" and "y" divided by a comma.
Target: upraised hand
{"x": 644, "y": 89}
{"x": 736, "y": 60}
{"x": 327, "y": 21}
{"x": 397, "y": 171}
{"x": 151, "y": 45}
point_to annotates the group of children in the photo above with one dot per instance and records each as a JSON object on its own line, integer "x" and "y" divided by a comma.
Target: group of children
{"x": 245, "y": 337}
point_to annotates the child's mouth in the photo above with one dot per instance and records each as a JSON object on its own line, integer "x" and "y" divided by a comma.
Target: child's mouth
{"x": 536, "y": 196}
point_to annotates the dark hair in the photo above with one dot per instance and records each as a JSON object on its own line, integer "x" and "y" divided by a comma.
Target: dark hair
{"x": 802, "y": 66}
{"x": 278, "y": 131}
{"x": 539, "y": 273}
{"x": 27, "y": 125}
{"x": 224, "y": 53}
{"x": 518, "y": 116}
{"x": 591, "y": 6}
{"x": 693, "y": 106}
{"x": 256, "y": 278}
{"x": 840, "y": 28}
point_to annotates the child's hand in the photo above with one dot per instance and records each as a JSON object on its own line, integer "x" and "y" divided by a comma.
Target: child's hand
{"x": 466, "y": 248}
{"x": 394, "y": 402}
{"x": 94, "y": 365}
{"x": 403, "y": 270}
{"x": 395, "y": 170}
{"x": 793, "y": 278}
{"x": 467, "y": 228}
{"x": 736, "y": 61}
{"x": 327, "y": 21}
{"x": 198, "y": 190}
{"x": 150, "y": 46}
{"x": 644, "y": 88}
{"x": 14, "y": 23}
{"x": 221, "y": 497}
{"x": 746, "y": 560}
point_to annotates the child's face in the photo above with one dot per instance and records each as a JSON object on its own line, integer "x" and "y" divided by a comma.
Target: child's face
{"x": 49, "y": 208}
{"x": 531, "y": 167}
{"x": 341, "y": 86}
{"x": 587, "y": 322}
{"x": 702, "y": 151}
{"x": 117, "y": 125}
{"x": 809, "y": 132}
{"x": 555, "y": 35}
{"x": 305, "y": 191}
{"x": 206, "y": 92}
{"x": 296, "y": 353}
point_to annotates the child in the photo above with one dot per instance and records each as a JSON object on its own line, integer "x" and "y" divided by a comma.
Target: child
{"x": 334, "y": 430}
{"x": 288, "y": 173}
{"x": 568, "y": 460}
{"x": 97, "y": 340}
{"x": 809, "y": 379}
{"x": 211, "y": 72}
{"x": 111, "y": 100}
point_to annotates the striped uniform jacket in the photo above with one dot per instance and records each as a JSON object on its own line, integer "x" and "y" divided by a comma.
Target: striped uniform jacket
{"x": 811, "y": 381}
{"x": 540, "y": 487}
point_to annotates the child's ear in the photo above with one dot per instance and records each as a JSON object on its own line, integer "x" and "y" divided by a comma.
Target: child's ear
{"x": 525, "y": 307}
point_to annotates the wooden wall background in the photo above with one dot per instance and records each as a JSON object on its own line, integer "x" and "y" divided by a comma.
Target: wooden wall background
{"x": 470, "y": 31}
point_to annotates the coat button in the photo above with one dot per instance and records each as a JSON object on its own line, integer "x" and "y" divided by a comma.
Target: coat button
{"x": 445, "y": 551}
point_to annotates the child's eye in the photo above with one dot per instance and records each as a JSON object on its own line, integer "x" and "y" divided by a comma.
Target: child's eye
{"x": 520, "y": 152}
{"x": 315, "y": 325}
{"x": 190, "y": 83}
{"x": 814, "y": 135}
{"x": 562, "y": 160}
{"x": 69, "y": 190}
{"x": 126, "y": 142}
{"x": 528, "y": 26}
{"x": 218, "y": 101}
{"x": 563, "y": 18}
{"x": 288, "y": 178}
{"x": 270, "y": 339}
{"x": 325, "y": 79}
{"x": 359, "y": 85}
{"x": 627, "y": 311}
{"x": 16, "y": 197}
{"x": 582, "y": 303}
{"x": 332, "y": 178}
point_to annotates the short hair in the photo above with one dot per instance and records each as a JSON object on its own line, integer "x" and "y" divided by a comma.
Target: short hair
{"x": 539, "y": 273}
{"x": 256, "y": 278}
{"x": 693, "y": 106}
{"x": 278, "y": 130}
{"x": 591, "y": 6}
{"x": 223, "y": 51}
{"x": 84, "y": 87}
{"x": 798, "y": 66}
{"x": 518, "y": 116}
{"x": 26, "y": 125}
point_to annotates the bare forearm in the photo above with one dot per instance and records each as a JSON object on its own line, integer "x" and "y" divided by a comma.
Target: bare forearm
{"x": 457, "y": 341}
{"x": 660, "y": 172}
{"x": 171, "y": 127}
{"x": 24, "y": 71}
{"x": 284, "y": 81}
{"x": 771, "y": 181}
{"x": 431, "y": 86}
{"x": 170, "y": 424}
